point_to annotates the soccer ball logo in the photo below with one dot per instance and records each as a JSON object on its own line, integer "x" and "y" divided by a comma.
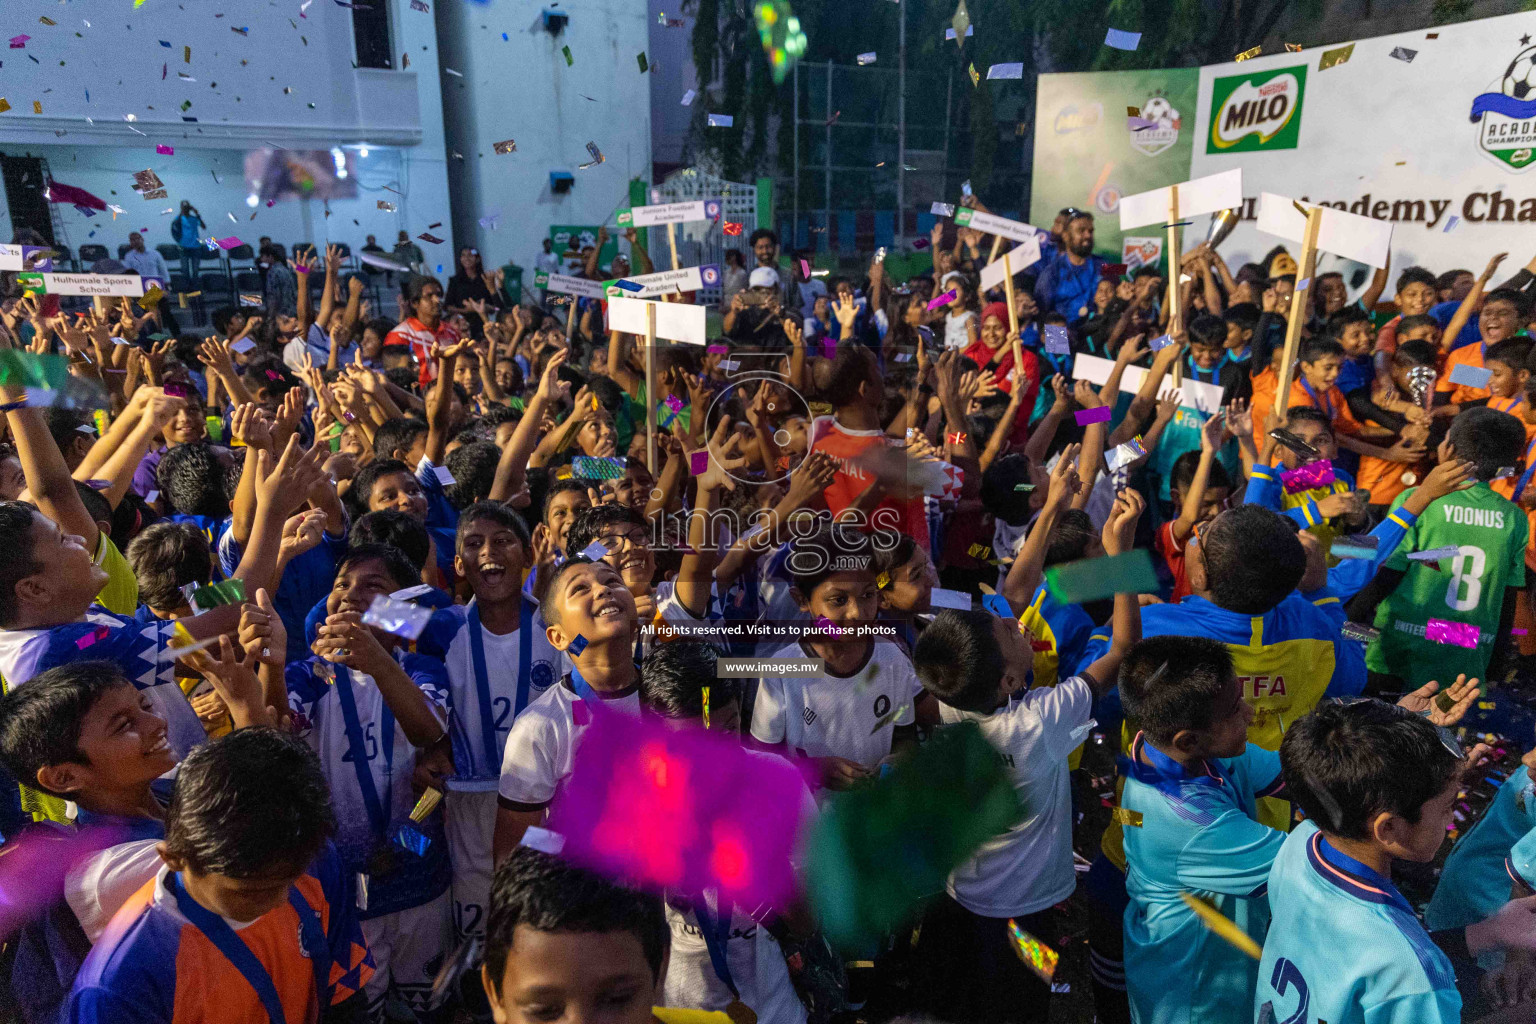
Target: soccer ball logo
{"x": 1160, "y": 110}
{"x": 1520, "y": 77}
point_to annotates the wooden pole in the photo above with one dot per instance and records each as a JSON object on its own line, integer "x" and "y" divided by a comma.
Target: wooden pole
{"x": 1175, "y": 314}
{"x": 997, "y": 243}
{"x": 672, "y": 241}
{"x": 570, "y": 320}
{"x": 1298, "y": 305}
{"x": 650, "y": 387}
{"x": 1013, "y": 313}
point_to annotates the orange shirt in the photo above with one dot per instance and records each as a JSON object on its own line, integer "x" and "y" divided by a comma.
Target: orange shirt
{"x": 1332, "y": 402}
{"x": 1467, "y": 355}
{"x": 1264, "y": 385}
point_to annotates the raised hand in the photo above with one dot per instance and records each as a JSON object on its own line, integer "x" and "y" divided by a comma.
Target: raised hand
{"x": 1119, "y": 534}
{"x": 261, "y": 633}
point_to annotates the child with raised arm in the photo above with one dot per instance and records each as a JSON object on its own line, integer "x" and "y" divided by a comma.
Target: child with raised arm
{"x": 978, "y": 666}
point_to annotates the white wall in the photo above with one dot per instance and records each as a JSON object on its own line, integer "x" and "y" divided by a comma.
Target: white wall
{"x": 119, "y": 59}
{"x": 520, "y": 88}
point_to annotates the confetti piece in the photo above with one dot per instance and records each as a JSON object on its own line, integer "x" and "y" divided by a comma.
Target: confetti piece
{"x": 1125, "y": 454}
{"x": 1356, "y": 631}
{"x": 1293, "y": 47}
{"x": 505, "y": 146}
{"x": 957, "y": 599}
{"x": 688, "y": 98}
{"x": 731, "y": 228}
{"x": 165, "y": 150}
{"x": 1249, "y": 54}
{"x": 1307, "y": 477}
{"x": 865, "y": 58}
{"x": 1517, "y": 631}
{"x": 597, "y": 468}
{"x": 1459, "y": 634}
{"x": 644, "y": 65}
{"x": 98, "y": 634}
{"x": 47, "y": 20}
{"x": 1087, "y": 416}
{"x": 186, "y": 54}
{"x": 721, "y": 121}
{"x": 1122, "y": 40}
{"x": 942, "y": 210}
{"x": 1037, "y": 956}
{"x": 398, "y": 617}
{"x": 959, "y": 24}
{"x": 1403, "y": 54}
{"x": 595, "y": 552}
{"x": 386, "y": 205}
{"x": 1471, "y": 376}
{"x": 430, "y": 798}
{"x": 412, "y": 840}
{"x": 942, "y": 300}
{"x": 1090, "y": 579}
{"x": 596, "y": 154}
{"x": 577, "y": 645}
{"x": 975, "y": 75}
{"x": 1335, "y": 57}
{"x": 566, "y": 52}
{"x": 1125, "y": 816}
{"x": 431, "y": 239}
{"x": 4, "y": 105}
{"x": 1057, "y": 340}
{"x": 1451, "y": 222}
{"x": 19, "y": 42}
{"x": 698, "y": 463}
{"x": 1002, "y": 72}
{"x": 1160, "y": 343}
{"x": 444, "y": 475}
{"x": 451, "y": 71}
{"x": 1218, "y": 923}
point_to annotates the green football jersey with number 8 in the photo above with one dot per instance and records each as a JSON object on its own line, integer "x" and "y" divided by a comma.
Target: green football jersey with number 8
{"x": 1489, "y": 533}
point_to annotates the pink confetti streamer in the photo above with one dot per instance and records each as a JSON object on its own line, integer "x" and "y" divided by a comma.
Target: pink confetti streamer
{"x": 1442, "y": 631}
{"x": 1307, "y": 477}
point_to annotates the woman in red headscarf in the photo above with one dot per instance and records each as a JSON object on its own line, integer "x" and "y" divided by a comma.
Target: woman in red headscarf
{"x": 994, "y": 354}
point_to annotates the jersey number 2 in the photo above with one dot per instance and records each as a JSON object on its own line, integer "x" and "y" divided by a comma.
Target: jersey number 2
{"x": 1285, "y": 977}
{"x": 1465, "y": 590}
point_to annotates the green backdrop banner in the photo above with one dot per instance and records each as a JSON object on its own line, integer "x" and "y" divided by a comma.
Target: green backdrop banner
{"x": 1088, "y": 156}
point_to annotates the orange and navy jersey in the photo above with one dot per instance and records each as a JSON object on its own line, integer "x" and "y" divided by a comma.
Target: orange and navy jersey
{"x": 1330, "y": 403}
{"x": 153, "y": 966}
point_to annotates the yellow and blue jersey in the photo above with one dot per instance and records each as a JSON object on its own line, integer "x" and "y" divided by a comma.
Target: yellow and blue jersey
{"x": 1265, "y": 488}
{"x": 153, "y": 966}
{"x": 1475, "y": 882}
{"x": 1344, "y": 945}
{"x": 1195, "y": 831}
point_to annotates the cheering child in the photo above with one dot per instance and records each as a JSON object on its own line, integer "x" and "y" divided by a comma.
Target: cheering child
{"x": 250, "y": 919}
{"x": 590, "y": 616}
{"x": 365, "y": 706}
{"x": 978, "y": 666}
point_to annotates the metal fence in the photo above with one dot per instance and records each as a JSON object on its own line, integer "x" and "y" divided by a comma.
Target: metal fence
{"x": 702, "y": 243}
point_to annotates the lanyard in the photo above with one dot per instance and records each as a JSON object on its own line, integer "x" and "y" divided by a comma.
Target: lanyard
{"x": 240, "y": 955}
{"x": 1530, "y": 468}
{"x": 482, "y": 678}
{"x": 1324, "y": 403}
{"x": 716, "y": 931}
{"x": 583, "y": 688}
{"x": 377, "y": 812}
{"x": 1214, "y": 372}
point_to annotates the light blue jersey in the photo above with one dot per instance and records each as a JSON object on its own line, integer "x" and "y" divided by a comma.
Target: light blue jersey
{"x": 1197, "y": 833}
{"x": 1345, "y": 947}
{"x": 1521, "y": 862}
{"x": 1475, "y": 883}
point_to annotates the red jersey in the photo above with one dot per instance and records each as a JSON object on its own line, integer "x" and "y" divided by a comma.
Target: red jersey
{"x": 1173, "y": 554}
{"x": 844, "y": 445}
{"x": 419, "y": 337}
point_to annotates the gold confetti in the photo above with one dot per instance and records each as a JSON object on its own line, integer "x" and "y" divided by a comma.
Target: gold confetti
{"x": 505, "y": 146}
{"x": 47, "y": 20}
{"x": 1333, "y": 58}
{"x": 37, "y": 107}
{"x": 430, "y": 798}
{"x": 1124, "y": 816}
{"x": 1293, "y": 47}
{"x": 4, "y": 105}
{"x": 1249, "y": 53}
{"x": 186, "y": 54}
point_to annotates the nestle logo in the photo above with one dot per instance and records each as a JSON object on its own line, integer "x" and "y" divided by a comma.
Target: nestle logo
{"x": 1071, "y": 119}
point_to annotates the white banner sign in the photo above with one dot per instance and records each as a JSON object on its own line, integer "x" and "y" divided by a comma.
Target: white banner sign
{"x": 1458, "y": 187}
{"x": 669, "y": 213}
{"x": 665, "y": 282}
{"x": 1202, "y": 195}
{"x": 1364, "y": 239}
{"x": 1018, "y": 259}
{"x": 566, "y": 285}
{"x": 992, "y": 224}
{"x": 131, "y": 285}
{"x": 674, "y": 320}
{"x": 1195, "y": 395}
{"x": 25, "y": 257}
